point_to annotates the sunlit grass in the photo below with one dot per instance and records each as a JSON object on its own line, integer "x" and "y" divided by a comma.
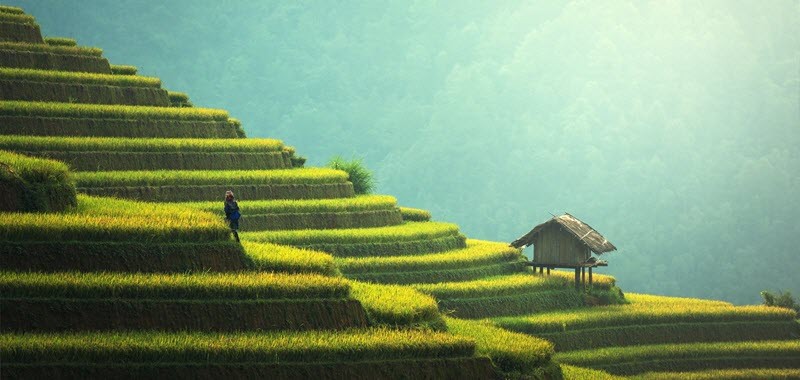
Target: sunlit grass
{"x": 121, "y": 144}
{"x": 240, "y": 286}
{"x": 7, "y": 73}
{"x": 209, "y": 177}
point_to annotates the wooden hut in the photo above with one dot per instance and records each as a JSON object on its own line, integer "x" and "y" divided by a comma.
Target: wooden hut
{"x": 565, "y": 242}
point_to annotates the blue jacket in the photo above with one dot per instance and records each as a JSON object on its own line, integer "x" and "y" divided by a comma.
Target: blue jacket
{"x": 230, "y": 207}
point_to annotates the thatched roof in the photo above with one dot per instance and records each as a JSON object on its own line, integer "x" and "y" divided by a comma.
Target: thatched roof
{"x": 582, "y": 231}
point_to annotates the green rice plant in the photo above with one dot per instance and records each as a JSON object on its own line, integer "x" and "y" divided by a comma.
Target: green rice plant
{"x": 235, "y": 124}
{"x": 45, "y": 48}
{"x": 405, "y": 232}
{"x": 97, "y": 219}
{"x": 492, "y": 287}
{"x": 107, "y": 314}
{"x": 573, "y": 372}
{"x": 311, "y": 206}
{"x": 515, "y": 304}
{"x": 17, "y": 18}
{"x": 726, "y": 374}
{"x": 146, "y": 145}
{"x": 33, "y": 184}
{"x": 206, "y": 192}
{"x": 136, "y": 161}
{"x": 126, "y": 70}
{"x": 98, "y": 127}
{"x": 415, "y": 214}
{"x": 510, "y": 352}
{"x": 601, "y": 281}
{"x": 393, "y": 248}
{"x": 398, "y": 306}
{"x": 8, "y": 73}
{"x": 106, "y": 111}
{"x": 467, "y": 273}
{"x": 477, "y": 253}
{"x": 361, "y": 177}
{"x": 123, "y": 256}
{"x": 241, "y": 286}
{"x": 209, "y": 177}
{"x": 60, "y": 41}
{"x": 11, "y": 10}
{"x": 244, "y": 348}
{"x": 617, "y": 336}
{"x": 178, "y": 97}
{"x": 280, "y": 258}
{"x": 651, "y": 299}
{"x": 675, "y": 357}
{"x": 327, "y": 220}
{"x": 640, "y": 314}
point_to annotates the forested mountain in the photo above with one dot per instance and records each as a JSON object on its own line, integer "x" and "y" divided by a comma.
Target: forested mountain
{"x": 671, "y": 127}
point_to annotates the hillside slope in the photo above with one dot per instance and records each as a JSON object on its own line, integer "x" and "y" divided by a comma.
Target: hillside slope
{"x": 326, "y": 282}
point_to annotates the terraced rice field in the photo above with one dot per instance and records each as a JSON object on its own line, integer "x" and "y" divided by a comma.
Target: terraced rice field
{"x": 51, "y": 76}
{"x": 687, "y": 357}
{"x": 260, "y": 347}
{"x": 241, "y": 286}
{"x": 210, "y": 177}
{"x": 45, "y": 48}
{"x": 51, "y": 109}
{"x": 82, "y": 289}
{"x": 152, "y": 145}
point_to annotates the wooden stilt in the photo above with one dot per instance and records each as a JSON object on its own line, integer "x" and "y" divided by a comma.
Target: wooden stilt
{"x": 590, "y": 277}
{"x": 548, "y": 271}
{"x": 541, "y": 270}
{"x": 583, "y": 278}
{"x": 577, "y": 278}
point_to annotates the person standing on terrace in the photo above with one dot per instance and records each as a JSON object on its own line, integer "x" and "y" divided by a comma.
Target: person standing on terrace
{"x": 232, "y": 214}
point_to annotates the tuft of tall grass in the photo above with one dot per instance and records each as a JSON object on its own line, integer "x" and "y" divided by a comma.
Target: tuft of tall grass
{"x": 198, "y": 286}
{"x": 57, "y": 49}
{"x": 209, "y": 177}
{"x": 405, "y": 232}
{"x": 106, "y": 111}
{"x": 148, "y": 145}
{"x": 361, "y": 177}
{"x": 247, "y": 348}
{"x": 7, "y": 73}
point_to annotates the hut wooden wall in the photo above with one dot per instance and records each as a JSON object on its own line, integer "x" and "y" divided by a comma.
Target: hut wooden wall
{"x": 553, "y": 245}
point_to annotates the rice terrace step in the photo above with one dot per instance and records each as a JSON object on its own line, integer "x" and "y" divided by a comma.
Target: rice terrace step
{"x": 116, "y": 260}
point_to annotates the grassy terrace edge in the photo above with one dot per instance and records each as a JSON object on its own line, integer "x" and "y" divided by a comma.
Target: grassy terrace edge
{"x": 147, "y": 145}
{"x": 222, "y": 286}
{"x": 409, "y": 231}
{"x": 58, "y": 49}
{"x": 209, "y": 177}
{"x": 251, "y": 347}
{"x": 55, "y": 76}
{"x": 76, "y": 110}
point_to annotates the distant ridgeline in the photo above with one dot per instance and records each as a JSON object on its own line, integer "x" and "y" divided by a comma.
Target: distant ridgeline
{"x": 326, "y": 283}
